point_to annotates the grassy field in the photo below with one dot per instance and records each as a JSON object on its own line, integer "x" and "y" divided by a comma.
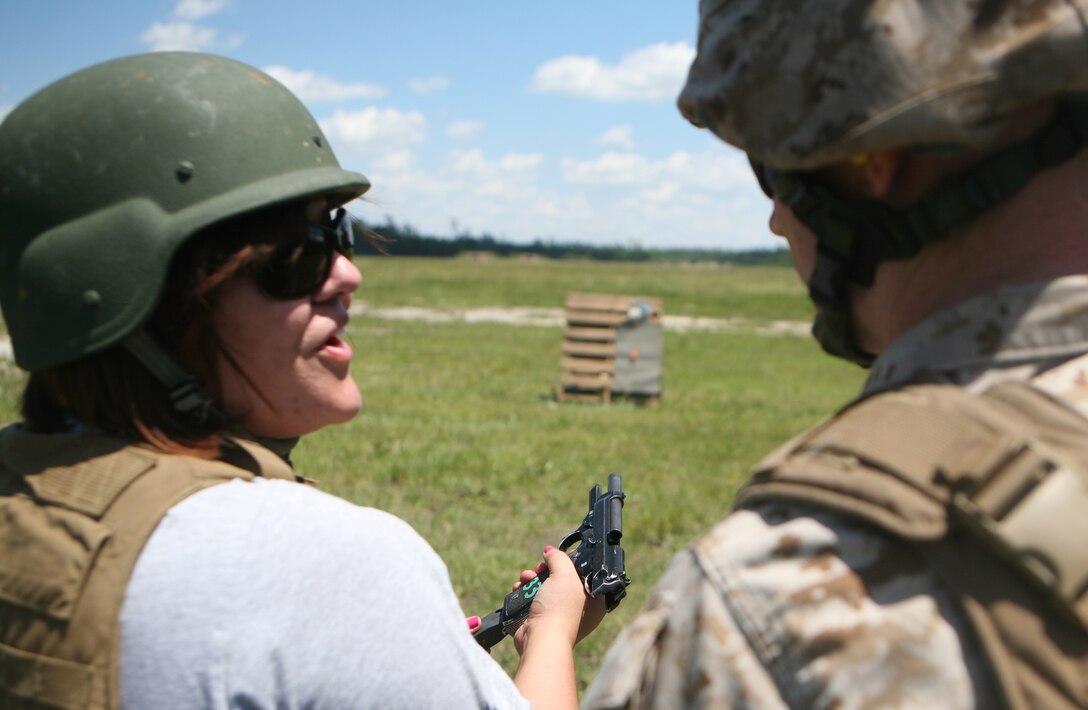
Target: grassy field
{"x": 767, "y": 293}
{"x": 461, "y": 435}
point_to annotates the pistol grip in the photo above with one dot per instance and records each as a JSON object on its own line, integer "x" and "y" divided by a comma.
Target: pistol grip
{"x": 489, "y": 632}
{"x": 515, "y": 610}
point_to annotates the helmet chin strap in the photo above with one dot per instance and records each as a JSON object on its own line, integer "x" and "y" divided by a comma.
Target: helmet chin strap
{"x": 854, "y": 236}
{"x": 188, "y": 397}
{"x": 185, "y": 392}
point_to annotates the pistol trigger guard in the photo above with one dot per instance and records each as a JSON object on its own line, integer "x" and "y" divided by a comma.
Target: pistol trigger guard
{"x": 570, "y": 539}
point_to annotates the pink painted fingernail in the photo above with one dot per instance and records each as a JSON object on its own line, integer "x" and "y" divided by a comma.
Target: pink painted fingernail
{"x": 473, "y": 622}
{"x": 548, "y": 549}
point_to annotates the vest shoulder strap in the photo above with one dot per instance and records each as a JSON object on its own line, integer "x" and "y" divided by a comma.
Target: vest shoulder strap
{"x": 1010, "y": 466}
{"x": 993, "y": 489}
{"x": 80, "y": 526}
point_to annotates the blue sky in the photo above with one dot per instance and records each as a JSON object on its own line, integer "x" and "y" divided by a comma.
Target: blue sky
{"x": 523, "y": 120}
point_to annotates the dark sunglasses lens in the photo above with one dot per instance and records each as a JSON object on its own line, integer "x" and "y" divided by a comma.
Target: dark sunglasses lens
{"x": 295, "y": 275}
{"x": 761, "y": 175}
{"x": 299, "y": 271}
{"x": 302, "y": 270}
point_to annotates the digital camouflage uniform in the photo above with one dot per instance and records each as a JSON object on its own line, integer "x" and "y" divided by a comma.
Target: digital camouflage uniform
{"x": 804, "y": 597}
{"x": 804, "y": 83}
{"x": 788, "y": 606}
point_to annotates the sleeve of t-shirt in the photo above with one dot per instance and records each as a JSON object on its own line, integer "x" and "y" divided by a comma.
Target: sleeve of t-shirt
{"x": 269, "y": 594}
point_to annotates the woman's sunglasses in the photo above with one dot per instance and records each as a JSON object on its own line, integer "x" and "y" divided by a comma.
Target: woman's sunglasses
{"x": 301, "y": 270}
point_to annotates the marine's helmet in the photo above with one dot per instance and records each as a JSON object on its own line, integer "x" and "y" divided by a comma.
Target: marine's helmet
{"x": 106, "y": 172}
{"x": 801, "y": 84}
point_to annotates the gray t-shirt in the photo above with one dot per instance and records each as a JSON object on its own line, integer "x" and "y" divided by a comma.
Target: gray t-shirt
{"x": 269, "y": 594}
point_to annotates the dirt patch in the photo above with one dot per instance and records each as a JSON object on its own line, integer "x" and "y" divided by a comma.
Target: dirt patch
{"x": 553, "y": 318}
{"x": 549, "y": 318}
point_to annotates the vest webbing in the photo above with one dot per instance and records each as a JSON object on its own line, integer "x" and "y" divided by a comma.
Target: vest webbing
{"x": 71, "y": 533}
{"x": 992, "y": 490}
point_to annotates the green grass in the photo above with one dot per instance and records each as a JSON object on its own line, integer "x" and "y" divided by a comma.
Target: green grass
{"x": 11, "y": 388}
{"x": 766, "y": 293}
{"x": 461, "y": 436}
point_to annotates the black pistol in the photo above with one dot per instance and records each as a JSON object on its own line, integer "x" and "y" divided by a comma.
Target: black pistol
{"x": 598, "y": 559}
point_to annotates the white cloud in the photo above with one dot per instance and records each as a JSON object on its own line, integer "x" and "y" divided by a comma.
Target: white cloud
{"x": 376, "y": 138}
{"x": 609, "y": 169}
{"x": 428, "y": 84}
{"x": 4, "y": 111}
{"x": 653, "y": 73}
{"x": 309, "y": 86}
{"x": 464, "y": 130}
{"x": 469, "y": 161}
{"x": 704, "y": 198}
{"x": 665, "y": 192}
{"x": 397, "y": 161}
{"x": 715, "y": 170}
{"x": 621, "y": 136}
{"x": 514, "y": 162}
{"x": 496, "y": 195}
{"x": 504, "y": 183}
{"x": 184, "y": 36}
{"x": 474, "y": 164}
{"x": 196, "y": 9}
{"x": 634, "y": 197}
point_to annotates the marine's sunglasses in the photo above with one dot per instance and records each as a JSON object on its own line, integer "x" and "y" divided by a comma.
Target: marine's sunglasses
{"x": 301, "y": 270}
{"x": 763, "y": 175}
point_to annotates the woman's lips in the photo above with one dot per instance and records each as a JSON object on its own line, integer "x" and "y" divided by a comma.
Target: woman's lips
{"x": 336, "y": 349}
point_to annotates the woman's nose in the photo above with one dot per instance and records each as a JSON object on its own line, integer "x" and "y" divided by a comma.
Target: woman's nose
{"x": 344, "y": 278}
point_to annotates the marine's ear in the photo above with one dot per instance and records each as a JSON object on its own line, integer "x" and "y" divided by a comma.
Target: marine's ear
{"x": 880, "y": 169}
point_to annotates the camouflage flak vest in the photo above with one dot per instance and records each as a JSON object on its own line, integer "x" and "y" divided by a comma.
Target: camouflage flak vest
{"x": 992, "y": 490}
{"x": 75, "y": 511}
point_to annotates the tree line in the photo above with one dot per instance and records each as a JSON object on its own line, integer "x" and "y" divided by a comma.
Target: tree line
{"x": 403, "y": 240}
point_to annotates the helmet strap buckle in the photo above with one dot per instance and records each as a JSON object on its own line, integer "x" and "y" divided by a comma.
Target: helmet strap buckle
{"x": 184, "y": 391}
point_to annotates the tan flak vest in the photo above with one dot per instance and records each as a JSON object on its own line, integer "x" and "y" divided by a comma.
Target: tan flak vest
{"x": 992, "y": 490}
{"x": 75, "y": 511}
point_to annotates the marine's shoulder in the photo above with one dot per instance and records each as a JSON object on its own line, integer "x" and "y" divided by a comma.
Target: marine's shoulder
{"x": 788, "y": 605}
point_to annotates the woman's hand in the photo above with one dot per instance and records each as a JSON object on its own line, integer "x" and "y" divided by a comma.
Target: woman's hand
{"x": 561, "y": 609}
{"x": 561, "y": 614}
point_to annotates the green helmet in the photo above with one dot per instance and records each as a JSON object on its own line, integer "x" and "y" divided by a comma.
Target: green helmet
{"x": 801, "y": 84}
{"x": 106, "y": 172}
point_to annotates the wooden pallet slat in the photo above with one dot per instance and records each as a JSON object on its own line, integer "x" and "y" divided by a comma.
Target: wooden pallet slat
{"x": 605, "y": 319}
{"x": 587, "y": 349}
{"x": 603, "y": 335}
{"x": 609, "y": 303}
{"x": 596, "y": 381}
{"x": 585, "y": 365}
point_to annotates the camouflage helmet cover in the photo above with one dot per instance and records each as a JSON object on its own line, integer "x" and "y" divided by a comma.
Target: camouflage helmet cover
{"x": 802, "y": 83}
{"x": 106, "y": 172}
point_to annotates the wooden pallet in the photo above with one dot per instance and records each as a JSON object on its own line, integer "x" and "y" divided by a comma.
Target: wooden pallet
{"x": 588, "y": 358}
